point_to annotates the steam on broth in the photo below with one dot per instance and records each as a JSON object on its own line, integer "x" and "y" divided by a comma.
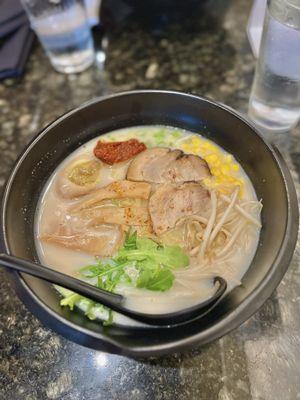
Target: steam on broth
{"x": 150, "y": 212}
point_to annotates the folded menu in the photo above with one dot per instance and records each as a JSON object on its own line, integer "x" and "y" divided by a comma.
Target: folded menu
{"x": 16, "y": 38}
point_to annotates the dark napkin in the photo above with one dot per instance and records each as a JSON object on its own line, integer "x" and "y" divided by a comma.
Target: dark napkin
{"x": 16, "y": 38}
{"x": 10, "y": 9}
{"x": 13, "y": 24}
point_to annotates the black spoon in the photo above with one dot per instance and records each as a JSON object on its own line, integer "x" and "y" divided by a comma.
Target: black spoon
{"x": 111, "y": 300}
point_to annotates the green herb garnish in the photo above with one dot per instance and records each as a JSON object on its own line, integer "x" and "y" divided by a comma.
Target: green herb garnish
{"x": 155, "y": 280}
{"x": 166, "y": 137}
{"x": 141, "y": 262}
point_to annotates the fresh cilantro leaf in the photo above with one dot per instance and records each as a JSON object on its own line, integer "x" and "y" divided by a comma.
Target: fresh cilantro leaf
{"x": 145, "y": 244}
{"x": 172, "y": 257}
{"x": 91, "y": 271}
{"x": 168, "y": 256}
{"x": 151, "y": 264}
{"x": 147, "y": 264}
{"x": 160, "y": 280}
{"x": 130, "y": 241}
{"x": 143, "y": 279}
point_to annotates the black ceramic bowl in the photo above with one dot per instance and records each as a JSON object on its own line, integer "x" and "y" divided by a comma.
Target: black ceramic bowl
{"x": 265, "y": 167}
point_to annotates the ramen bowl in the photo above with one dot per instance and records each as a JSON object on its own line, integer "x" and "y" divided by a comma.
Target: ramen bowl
{"x": 262, "y": 163}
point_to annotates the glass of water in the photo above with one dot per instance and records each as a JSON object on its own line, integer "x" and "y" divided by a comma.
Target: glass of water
{"x": 275, "y": 97}
{"x": 64, "y": 32}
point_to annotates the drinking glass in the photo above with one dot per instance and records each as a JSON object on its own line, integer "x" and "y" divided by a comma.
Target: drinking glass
{"x": 64, "y": 32}
{"x": 275, "y": 96}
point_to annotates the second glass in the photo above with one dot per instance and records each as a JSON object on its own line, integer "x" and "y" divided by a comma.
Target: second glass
{"x": 275, "y": 96}
{"x": 64, "y": 32}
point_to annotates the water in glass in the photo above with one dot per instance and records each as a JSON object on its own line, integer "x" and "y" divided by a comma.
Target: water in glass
{"x": 275, "y": 96}
{"x": 65, "y": 34}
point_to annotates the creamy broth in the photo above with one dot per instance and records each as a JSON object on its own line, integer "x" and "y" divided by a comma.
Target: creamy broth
{"x": 193, "y": 283}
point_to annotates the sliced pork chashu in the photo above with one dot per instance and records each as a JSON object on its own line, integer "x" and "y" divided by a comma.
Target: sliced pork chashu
{"x": 161, "y": 165}
{"x": 140, "y": 169}
{"x": 170, "y": 202}
{"x": 186, "y": 168}
{"x": 116, "y": 190}
{"x": 98, "y": 228}
{"x": 103, "y": 240}
{"x": 116, "y": 215}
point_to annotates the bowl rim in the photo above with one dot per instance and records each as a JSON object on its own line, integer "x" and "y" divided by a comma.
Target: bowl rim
{"x": 228, "y": 322}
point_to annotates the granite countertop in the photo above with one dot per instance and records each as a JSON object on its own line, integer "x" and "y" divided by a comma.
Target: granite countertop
{"x": 207, "y": 55}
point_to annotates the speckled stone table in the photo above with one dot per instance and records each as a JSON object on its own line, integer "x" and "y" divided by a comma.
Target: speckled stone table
{"x": 207, "y": 55}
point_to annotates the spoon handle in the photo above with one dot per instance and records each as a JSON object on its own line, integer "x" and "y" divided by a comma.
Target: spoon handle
{"x": 102, "y": 296}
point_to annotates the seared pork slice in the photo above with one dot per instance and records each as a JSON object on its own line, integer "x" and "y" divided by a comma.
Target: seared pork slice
{"x": 115, "y": 190}
{"x": 170, "y": 202}
{"x": 116, "y": 215}
{"x": 103, "y": 240}
{"x": 186, "y": 168}
{"x": 154, "y": 171}
{"x": 141, "y": 230}
{"x": 160, "y": 165}
{"x": 145, "y": 165}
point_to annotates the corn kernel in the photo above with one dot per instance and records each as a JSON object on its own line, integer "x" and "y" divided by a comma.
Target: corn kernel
{"x": 211, "y": 158}
{"x": 225, "y": 169}
{"x": 196, "y": 141}
{"x": 222, "y": 166}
